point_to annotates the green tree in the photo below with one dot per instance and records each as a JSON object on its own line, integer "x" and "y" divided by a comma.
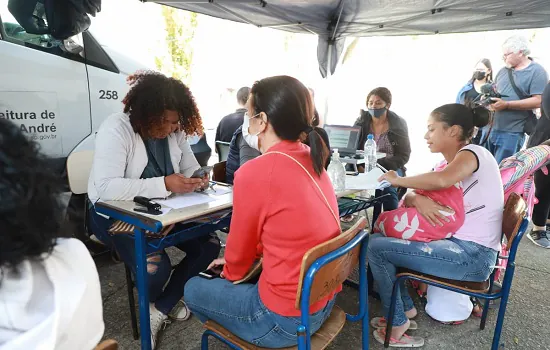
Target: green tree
{"x": 180, "y": 27}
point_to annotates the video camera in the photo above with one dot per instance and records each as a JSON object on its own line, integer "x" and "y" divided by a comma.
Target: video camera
{"x": 488, "y": 92}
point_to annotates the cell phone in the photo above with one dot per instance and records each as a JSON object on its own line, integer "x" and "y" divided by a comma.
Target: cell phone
{"x": 201, "y": 172}
{"x": 211, "y": 273}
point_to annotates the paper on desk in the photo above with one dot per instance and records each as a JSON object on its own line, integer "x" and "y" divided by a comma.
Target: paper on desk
{"x": 185, "y": 200}
{"x": 368, "y": 181}
{"x": 218, "y": 190}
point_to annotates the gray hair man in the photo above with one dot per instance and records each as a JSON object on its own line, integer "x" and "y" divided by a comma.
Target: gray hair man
{"x": 521, "y": 84}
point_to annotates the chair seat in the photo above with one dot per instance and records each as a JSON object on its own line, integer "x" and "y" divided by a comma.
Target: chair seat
{"x": 476, "y": 287}
{"x": 320, "y": 340}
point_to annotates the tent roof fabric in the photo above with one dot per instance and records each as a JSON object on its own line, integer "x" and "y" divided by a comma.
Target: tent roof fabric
{"x": 333, "y": 19}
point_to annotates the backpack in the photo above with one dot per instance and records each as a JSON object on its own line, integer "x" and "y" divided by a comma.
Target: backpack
{"x": 517, "y": 173}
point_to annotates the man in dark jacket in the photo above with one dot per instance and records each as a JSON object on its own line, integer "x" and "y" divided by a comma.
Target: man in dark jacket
{"x": 229, "y": 124}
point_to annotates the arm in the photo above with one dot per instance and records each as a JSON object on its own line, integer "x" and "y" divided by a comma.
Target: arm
{"x": 464, "y": 165}
{"x": 522, "y": 105}
{"x": 112, "y": 147}
{"x": 188, "y": 162}
{"x": 249, "y": 212}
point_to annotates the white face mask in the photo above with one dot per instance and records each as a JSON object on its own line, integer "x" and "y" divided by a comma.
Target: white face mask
{"x": 250, "y": 139}
{"x": 193, "y": 139}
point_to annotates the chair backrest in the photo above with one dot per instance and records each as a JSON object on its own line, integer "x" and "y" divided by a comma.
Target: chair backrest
{"x": 219, "y": 171}
{"x": 79, "y": 165}
{"x": 514, "y": 212}
{"x": 333, "y": 274}
{"x": 223, "y": 150}
{"x": 109, "y": 344}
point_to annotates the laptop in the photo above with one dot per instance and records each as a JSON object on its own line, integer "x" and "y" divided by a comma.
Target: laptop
{"x": 344, "y": 138}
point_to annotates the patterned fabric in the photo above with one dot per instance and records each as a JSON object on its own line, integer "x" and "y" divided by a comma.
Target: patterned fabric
{"x": 517, "y": 173}
{"x": 383, "y": 144}
{"x": 407, "y": 223}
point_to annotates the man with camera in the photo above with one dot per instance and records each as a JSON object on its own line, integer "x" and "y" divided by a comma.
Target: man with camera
{"x": 520, "y": 85}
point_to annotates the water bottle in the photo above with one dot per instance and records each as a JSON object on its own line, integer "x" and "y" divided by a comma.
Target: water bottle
{"x": 337, "y": 172}
{"x": 370, "y": 153}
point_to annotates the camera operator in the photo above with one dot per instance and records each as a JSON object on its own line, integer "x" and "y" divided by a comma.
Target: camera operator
{"x": 521, "y": 84}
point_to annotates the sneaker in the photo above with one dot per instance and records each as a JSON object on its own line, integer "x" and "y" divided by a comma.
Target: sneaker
{"x": 158, "y": 321}
{"x": 540, "y": 238}
{"x": 180, "y": 312}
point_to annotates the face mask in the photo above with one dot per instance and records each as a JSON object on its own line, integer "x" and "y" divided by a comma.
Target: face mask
{"x": 479, "y": 75}
{"x": 250, "y": 139}
{"x": 378, "y": 112}
{"x": 193, "y": 139}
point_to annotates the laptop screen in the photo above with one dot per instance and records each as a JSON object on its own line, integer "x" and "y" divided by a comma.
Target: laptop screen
{"x": 344, "y": 138}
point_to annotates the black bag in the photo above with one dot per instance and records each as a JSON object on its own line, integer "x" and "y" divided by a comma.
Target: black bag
{"x": 531, "y": 121}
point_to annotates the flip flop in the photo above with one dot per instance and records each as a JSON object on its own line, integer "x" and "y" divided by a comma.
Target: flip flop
{"x": 380, "y": 322}
{"x": 404, "y": 342}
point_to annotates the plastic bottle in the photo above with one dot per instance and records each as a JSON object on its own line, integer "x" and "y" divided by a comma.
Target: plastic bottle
{"x": 337, "y": 172}
{"x": 370, "y": 153}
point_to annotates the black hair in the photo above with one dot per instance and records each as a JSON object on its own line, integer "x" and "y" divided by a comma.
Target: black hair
{"x": 289, "y": 109}
{"x": 382, "y": 92}
{"x": 464, "y": 116}
{"x": 153, "y": 93}
{"x": 242, "y": 95}
{"x": 30, "y": 210}
{"x": 487, "y": 63}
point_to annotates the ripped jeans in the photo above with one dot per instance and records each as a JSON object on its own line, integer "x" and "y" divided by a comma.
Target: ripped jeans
{"x": 199, "y": 254}
{"x": 448, "y": 258}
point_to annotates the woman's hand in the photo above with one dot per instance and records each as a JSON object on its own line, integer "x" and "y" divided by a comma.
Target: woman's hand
{"x": 431, "y": 210}
{"x": 219, "y": 262}
{"x": 178, "y": 183}
{"x": 392, "y": 177}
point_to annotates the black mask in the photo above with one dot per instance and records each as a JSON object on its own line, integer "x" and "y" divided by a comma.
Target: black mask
{"x": 479, "y": 75}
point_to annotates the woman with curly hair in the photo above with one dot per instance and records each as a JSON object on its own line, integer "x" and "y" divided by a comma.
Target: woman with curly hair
{"x": 49, "y": 287}
{"x": 143, "y": 151}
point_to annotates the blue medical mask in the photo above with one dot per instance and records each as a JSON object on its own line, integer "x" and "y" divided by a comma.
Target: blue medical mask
{"x": 378, "y": 112}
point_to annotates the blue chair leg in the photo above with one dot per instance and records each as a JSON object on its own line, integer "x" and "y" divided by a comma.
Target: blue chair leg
{"x": 204, "y": 340}
{"x": 389, "y": 321}
{"x": 486, "y": 304}
{"x": 502, "y": 310}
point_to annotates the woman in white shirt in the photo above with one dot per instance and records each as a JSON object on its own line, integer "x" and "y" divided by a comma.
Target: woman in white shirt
{"x": 50, "y": 297}
{"x": 143, "y": 151}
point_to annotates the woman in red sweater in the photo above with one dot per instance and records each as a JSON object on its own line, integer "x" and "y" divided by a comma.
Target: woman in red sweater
{"x": 283, "y": 205}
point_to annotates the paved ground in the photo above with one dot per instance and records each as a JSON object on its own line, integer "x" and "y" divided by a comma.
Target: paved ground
{"x": 525, "y": 327}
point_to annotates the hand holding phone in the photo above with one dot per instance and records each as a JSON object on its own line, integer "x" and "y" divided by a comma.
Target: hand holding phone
{"x": 212, "y": 272}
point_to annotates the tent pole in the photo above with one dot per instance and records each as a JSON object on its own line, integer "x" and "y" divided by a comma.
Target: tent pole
{"x": 327, "y": 82}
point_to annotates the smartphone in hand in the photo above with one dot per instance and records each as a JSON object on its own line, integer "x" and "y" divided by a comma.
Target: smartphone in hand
{"x": 211, "y": 273}
{"x": 201, "y": 172}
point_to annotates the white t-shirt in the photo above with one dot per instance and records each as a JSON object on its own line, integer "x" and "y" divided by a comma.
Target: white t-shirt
{"x": 54, "y": 303}
{"x": 483, "y": 201}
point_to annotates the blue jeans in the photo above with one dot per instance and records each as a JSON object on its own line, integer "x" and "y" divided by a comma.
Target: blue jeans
{"x": 448, "y": 258}
{"x": 239, "y": 309}
{"x": 503, "y": 144}
{"x": 199, "y": 254}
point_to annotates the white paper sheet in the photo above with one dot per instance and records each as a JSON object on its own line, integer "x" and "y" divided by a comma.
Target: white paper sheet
{"x": 368, "y": 181}
{"x": 186, "y": 200}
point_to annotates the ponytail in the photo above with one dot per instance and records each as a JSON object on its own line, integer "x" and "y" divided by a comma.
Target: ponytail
{"x": 318, "y": 150}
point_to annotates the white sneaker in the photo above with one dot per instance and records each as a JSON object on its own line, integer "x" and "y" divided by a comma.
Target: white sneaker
{"x": 180, "y": 312}
{"x": 158, "y": 320}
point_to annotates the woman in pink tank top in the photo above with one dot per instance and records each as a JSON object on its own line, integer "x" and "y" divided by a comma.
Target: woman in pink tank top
{"x": 469, "y": 254}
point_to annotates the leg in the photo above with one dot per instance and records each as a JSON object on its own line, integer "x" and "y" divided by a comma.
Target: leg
{"x": 237, "y": 308}
{"x": 199, "y": 254}
{"x": 507, "y": 144}
{"x": 541, "y": 210}
{"x": 450, "y": 258}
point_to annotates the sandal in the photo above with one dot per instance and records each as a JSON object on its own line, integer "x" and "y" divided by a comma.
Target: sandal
{"x": 380, "y": 322}
{"x": 404, "y": 342}
{"x": 347, "y": 219}
{"x": 477, "y": 310}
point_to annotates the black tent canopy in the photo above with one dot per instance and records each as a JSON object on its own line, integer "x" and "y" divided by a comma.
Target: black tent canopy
{"x": 333, "y": 20}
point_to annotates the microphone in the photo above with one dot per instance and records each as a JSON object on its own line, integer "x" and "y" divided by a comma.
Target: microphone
{"x": 490, "y": 90}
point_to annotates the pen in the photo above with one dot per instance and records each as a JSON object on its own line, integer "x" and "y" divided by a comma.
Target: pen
{"x": 220, "y": 184}
{"x": 382, "y": 168}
